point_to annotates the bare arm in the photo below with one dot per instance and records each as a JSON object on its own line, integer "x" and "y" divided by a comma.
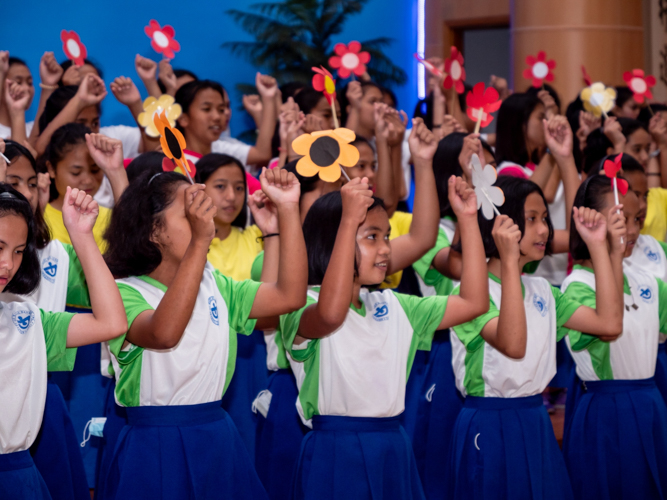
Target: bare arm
{"x": 146, "y": 69}
{"x": 126, "y": 92}
{"x": 50, "y": 73}
{"x": 108, "y": 155}
{"x": 261, "y": 152}
{"x": 384, "y": 185}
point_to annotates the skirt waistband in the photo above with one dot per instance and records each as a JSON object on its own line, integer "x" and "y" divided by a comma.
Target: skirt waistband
{"x": 618, "y": 385}
{"x": 15, "y": 461}
{"x": 479, "y": 403}
{"x": 175, "y": 415}
{"x": 355, "y": 424}
{"x": 662, "y": 346}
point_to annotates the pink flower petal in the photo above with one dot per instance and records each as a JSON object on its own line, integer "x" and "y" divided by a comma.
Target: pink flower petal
{"x": 340, "y": 49}
{"x": 354, "y": 46}
{"x": 334, "y": 62}
{"x": 364, "y": 57}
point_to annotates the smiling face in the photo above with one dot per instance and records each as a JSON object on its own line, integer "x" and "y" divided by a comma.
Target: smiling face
{"x": 536, "y": 231}
{"x": 13, "y": 240}
{"x": 226, "y": 187}
{"x": 366, "y": 166}
{"x": 638, "y": 145}
{"x": 206, "y": 117}
{"x": 373, "y": 248}
{"x": 632, "y": 214}
{"x": 77, "y": 170}
{"x": 22, "y": 177}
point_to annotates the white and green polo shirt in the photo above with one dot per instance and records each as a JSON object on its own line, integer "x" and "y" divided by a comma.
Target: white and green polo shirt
{"x": 633, "y": 355}
{"x": 199, "y": 369}
{"x": 32, "y": 341}
{"x": 483, "y": 371}
{"x": 650, "y": 255}
{"x": 361, "y": 369}
{"x": 431, "y": 282}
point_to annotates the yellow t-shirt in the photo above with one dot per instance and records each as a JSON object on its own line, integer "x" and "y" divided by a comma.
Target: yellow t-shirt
{"x": 400, "y": 225}
{"x": 234, "y": 255}
{"x": 656, "y": 214}
{"x": 54, "y": 218}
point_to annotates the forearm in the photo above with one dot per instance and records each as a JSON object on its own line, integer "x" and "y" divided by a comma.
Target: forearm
{"x": 43, "y": 97}
{"x": 18, "y": 127}
{"x": 543, "y": 171}
{"x": 384, "y": 186}
{"x": 292, "y": 272}
{"x": 119, "y": 182}
{"x": 397, "y": 170}
{"x": 608, "y": 299}
{"x": 152, "y": 87}
{"x": 352, "y": 121}
{"x": 67, "y": 115}
{"x": 511, "y": 336}
{"x": 474, "y": 281}
{"x": 266, "y": 129}
{"x": 426, "y": 211}
{"x": 271, "y": 261}
{"x": 654, "y": 172}
{"x": 571, "y": 181}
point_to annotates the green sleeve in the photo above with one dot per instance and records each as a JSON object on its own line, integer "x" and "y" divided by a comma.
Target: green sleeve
{"x": 585, "y": 297}
{"x": 289, "y": 326}
{"x": 425, "y": 315}
{"x": 58, "y": 356}
{"x": 662, "y": 307}
{"x": 531, "y": 267}
{"x": 257, "y": 265}
{"x": 77, "y": 289}
{"x": 423, "y": 265}
{"x": 470, "y": 333}
{"x": 239, "y": 297}
{"x": 663, "y": 245}
{"x": 134, "y": 304}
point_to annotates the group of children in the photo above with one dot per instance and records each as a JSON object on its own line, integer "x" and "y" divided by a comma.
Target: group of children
{"x": 274, "y": 335}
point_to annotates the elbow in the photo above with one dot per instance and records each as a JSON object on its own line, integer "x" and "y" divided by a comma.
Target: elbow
{"x": 332, "y": 322}
{"x": 166, "y": 342}
{"x": 516, "y": 352}
{"x": 614, "y": 328}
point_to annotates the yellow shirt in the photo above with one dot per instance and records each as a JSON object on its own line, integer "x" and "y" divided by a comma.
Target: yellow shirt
{"x": 54, "y": 219}
{"x": 234, "y": 255}
{"x": 400, "y": 225}
{"x": 656, "y": 214}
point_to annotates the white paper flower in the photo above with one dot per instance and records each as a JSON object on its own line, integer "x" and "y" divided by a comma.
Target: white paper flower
{"x": 488, "y": 196}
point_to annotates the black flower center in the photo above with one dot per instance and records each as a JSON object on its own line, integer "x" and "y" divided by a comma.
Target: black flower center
{"x": 173, "y": 144}
{"x": 324, "y": 151}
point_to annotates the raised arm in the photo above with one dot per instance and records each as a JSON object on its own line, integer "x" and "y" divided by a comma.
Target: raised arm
{"x": 146, "y": 69}
{"x": 108, "y": 155}
{"x": 50, "y": 73}
{"x": 127, "y": 93}
{"x": 384, "y": 184}
{"x": 16, "y": 101}
{"x": 260, "y": 153}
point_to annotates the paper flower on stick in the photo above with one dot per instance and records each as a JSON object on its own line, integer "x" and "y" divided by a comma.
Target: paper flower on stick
{"x": 488, "y": 196}
{"x": 430, "y": 67}
{"x": 481, "y": 103}
{"x": 324, "y": 153}
{"x": 349, "y": 60}
{"x": 598, "y": 99}
{"x": 456, "y": 74}
{"x": 323, "y": 81}
{"x": 173, "y": 144}
{"x": 611, "y": 170}
{"x": 539, "y": 69}
{"x": 153, "y": 106}
{"x": 162, "y": 39}
{"x": 587, "y": 77}
{"x": 73, "y": 48}
{"x": 639, "y": 84}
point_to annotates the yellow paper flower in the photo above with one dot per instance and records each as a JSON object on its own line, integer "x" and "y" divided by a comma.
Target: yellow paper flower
{"x": 324, "y": 152}
{"x": 152, "y": 107}
{"x": 598, "y": 99}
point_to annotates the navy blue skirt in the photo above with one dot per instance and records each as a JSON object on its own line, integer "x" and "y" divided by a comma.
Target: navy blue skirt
{"x": 116, "y": 419}
{"x": 177, "y": 452}
{"x": 616, "y": 446}
{"x": 661, "y": 370}
{"x": 279, "y": 437}
{"x": 20, "y": 479}
{"x": 56, "y": 451}
{"x": 505, "y": 448}
{"x": 356, "y": 458}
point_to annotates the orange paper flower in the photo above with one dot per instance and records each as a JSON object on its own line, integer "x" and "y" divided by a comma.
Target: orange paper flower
{"x": 323, "y": 81}
{"x": 73, "y": 48}
{"x": 173, "y": 144}
{"x": 324, "y": 152}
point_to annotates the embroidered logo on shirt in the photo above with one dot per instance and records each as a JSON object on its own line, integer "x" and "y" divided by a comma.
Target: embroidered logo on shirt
{"x": 646, "y": 294}
{"x": 23, "y": 320}
{"x": 540, "y": 304}
{"x": 381, "y": 311}
{"x": 49, "y": 268}
{"x": 652, "y": 256}
{"x": 213, "y": 308}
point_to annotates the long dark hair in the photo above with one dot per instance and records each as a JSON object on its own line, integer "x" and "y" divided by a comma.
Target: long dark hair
{"x": 511, "y": 129}
{"x": 186, "y": 95}
{"x": 62, "y": 141}
{"x": 210, "y": 163}
{"x": 57, "y": 102}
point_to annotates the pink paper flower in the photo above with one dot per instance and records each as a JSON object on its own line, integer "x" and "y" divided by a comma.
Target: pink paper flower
{"x": 456, "y": 73}
{"x": 482, "y": 103}
{"x": 162, "y": 39}
{"x": 73, "y": 48}
{"x": 639, "y": 84}
{"x": 539, "y": 69}
{"x": 349, "y": 60}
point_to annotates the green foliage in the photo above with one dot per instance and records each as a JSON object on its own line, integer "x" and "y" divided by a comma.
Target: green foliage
{"x": 294, "y": 35}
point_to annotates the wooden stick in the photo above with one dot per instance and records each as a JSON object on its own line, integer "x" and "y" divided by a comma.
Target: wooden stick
{"x": 335, "y": 117}
{"x": 479, "y": 121}
{"x": 495, "y": 209}
{"x": 616, "y": 200}
{"x": 650, "y": 109}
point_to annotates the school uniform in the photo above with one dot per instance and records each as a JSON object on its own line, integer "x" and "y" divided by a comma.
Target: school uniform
{"x": 54, "y": 219}
{"x": 617, "y": 440}
{"x": 32, "y": 342}
{"x": 503, "y": 444}
{"x": 179, "y": 441}
{"x": 352, "y": 393}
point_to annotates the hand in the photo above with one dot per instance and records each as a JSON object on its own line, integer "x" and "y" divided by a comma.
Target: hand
{"x": 462, "y": 198}
{"x": 266, "y": 86}
{"x": 167, "y": 76}
{"x": 253, "y": 105}
{"x": 200, "y": 212}
{"x": 72, "y": 76}
{"x": 4, "y": 62}
{"x": 79, "y": 212}
{"x": 280, "y": 186}
{"x": 354, "y": 94}
{"x": 588, "y": 122}
{"x": 550, "y": 107}
{"x": 398, "y": 121}
{"x": 290, "y": 125}
{"x": 50, "y": 71}
{"x": 472, "y": 144}
{"x": 106, "y": 152}
{"x": 3, "y": 163}
{"x": 612, "y": 129}
{"x": 507, "y": 236}
{"x": 658, "y": 129}
{"x": 591, "y": 226}
{"x": 558, "y": 136}
{"x": 617, "y": 231}
{"x": 43, "y": 190}
{"x": 16, "y": 97}
{"x": 500, "y": 84}
{"x": 264, "y": 212}
{"x": 312, "y": 124}
{"x": 125, "y": 91}
{"x": 357, "y": 199}
{"x": 379, "y": 116}
{"x": 449, "y": 126}
{"x": 145, "y": 68}
{"x": 91, "y": 91}
{"x": 422, "y": 142}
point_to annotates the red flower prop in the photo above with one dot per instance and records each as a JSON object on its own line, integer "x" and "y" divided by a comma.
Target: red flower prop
{"x": 639, "y": 84}
{"x": 162, "y": 39}
{"x": 169, "y": 166}
{"x": 349, "y": 60}
{"x": 481, "y": 103}
{"x": 432, "y": 69}
{"x": 456, "y": 73}
{"x": 73, "y": 48}
{"x": 539, "y": 69}
{"x": 323, "y": 81}
{"x": 587, "y": 77}
{"x": 611, "y": 170}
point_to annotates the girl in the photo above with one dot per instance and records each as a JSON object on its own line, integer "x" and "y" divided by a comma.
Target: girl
{"x": 625, "y": 106}
{"x": 176, "y": 360}
{"x": 628, "y": 136}
{"x": 15, "y": 70}
{"x": 504, "y": 359}
{"x": 616, "y": 441}
{"x": 317, "y": 109}
{"x": 34, "y": 338}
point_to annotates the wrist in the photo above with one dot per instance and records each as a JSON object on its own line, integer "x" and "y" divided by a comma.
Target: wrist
{"x": 288, "y": 208}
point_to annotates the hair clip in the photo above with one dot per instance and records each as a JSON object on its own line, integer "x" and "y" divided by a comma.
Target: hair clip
{"x": 8, "y": 195}
{"x": 154, "y": 176}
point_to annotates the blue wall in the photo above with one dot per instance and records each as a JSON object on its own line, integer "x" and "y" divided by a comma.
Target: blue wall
{"x": 113, "y": 34}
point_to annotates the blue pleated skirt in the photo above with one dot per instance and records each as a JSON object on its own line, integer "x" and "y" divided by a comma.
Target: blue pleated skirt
{"x": 616, "y": 446}
{"x": 356, "y": 458}
{"x": 20, "y": 479}
{"x": 661, "y": 370}
{"x": 505, "y": 448}
{"x": 279, "y": 437}
{"x": 179, "y": 452}
{"x": 56, "y": 451}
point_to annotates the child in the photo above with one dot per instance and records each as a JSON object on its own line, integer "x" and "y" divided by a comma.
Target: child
{"x": 616, "y": 440}
{"x": 34, "y": 338}
{"x": 13, "y": 70}
{"x": 504, "y": 359}
{"x": 176, "y": 360}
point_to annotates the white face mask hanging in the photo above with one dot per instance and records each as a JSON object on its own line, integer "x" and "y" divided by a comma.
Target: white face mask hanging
{"x": 94, "y": 427}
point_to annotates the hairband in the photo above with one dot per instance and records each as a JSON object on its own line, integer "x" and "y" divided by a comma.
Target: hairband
{"x": 9, "y": 196}
{"x": 154, "y": 176}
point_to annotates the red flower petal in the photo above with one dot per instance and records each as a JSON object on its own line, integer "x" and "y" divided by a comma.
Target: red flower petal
{"x": 551, "y": 64}
{"x": 360, "y": 70}
{"x": 549, "y": 77}
{"x": 448, "y": 82}
{"x": 343, "y": 72}
{"x": 541, "y": 56}
{"x": 354, "y": 46}
{"x": 168, "y": 31}
{"x": 530, "y": 60}
{"x": 340, "y": 49}
{"x": 650, "y": 80}
{"x": 460, "y": 88}
{"x": 364, "y": 57}
{"x": 627, "y": 76}
{"x": 528, "y": 73}
{"x": 648, "y": 94}
{"x": 537, "y": 83}
{"x": 334, "y": 62}
{"x": 622, "y": 186}
{"x": 318, "y": 82}
{"x": 639, "y": 98}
